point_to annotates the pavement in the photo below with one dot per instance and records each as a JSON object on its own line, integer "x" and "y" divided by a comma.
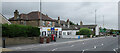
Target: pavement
{"x": 26, "y": 46}
{"x": 108, "y": 43}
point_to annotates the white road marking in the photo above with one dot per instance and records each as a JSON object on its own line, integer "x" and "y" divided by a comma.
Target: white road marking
{"x": 71, "y": 45}
{"x": 95, "y": 47}
{"x": 43, "y": 45}
{"x": 115, "y": 49}
{"x": 54, "y": 49}
{"x": 102, "y": 44}
{"x": 83, "y": 43}
{"x": 83, "y": 51}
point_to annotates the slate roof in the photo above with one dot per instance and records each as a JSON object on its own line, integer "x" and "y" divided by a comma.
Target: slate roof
{"x": 36, "y": 16}
{"x": 32, "y": 16}
{"x": 77, "y": 27}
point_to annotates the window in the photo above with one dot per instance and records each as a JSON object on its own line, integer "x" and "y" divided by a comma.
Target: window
{"x": 64, "y": 33}
{"x": 43, "y": 23}
{"x": 49, "y": 23}
{"x": 21, "y": 22}
{"x": 60, "y": 32}
{"x": 64, "y": 25}
{"x": 44, "y": 33}
{"x": 68, "y": 33}
{"x": 24, "y": 22}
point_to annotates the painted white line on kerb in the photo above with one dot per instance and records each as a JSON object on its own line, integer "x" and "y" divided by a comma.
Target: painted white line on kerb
{"x": 100, "y": 45}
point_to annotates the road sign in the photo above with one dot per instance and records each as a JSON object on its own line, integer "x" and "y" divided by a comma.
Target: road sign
{"x": 52, "y": 28}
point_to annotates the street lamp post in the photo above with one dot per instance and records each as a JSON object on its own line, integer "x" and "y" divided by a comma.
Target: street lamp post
{"x": 95, "y": 16}
{"x": 40, "y": 14}
{"x": 103, "y": 21}
{"x": 95, "y": 21}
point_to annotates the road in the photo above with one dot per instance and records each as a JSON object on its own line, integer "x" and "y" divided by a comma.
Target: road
{"x": 91, "y": 44}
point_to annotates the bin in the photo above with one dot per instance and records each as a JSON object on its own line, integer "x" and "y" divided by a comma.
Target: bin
{"x": 41, "y": 40}
{"x": 48, "y": 40}
{"x": 78, "y": 37}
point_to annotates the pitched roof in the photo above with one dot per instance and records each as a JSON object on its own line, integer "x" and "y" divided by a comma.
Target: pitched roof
{"x": 32, "y": 16}
{"x": 77, "y": 27}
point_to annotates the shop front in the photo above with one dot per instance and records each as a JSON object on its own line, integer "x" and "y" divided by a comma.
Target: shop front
{"x": 48, "y": 31}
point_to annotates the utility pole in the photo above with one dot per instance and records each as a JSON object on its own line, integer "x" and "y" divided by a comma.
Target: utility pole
{"x": 40, "y": 15}
{"x": 95, "y": 17}
{"x": 103, "y": 21}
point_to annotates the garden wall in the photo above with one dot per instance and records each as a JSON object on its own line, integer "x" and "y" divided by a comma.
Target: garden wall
{"x": 21, "y": 40}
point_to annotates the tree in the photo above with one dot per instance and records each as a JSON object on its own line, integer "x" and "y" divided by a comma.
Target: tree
{"x": 85, "y": 31}
{"x": 71, "y": 23}
{"x": 77, "y": 23}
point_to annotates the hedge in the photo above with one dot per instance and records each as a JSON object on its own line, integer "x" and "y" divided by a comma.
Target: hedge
{"x": 85, "y": 31}
{"x": 14, "y": 30}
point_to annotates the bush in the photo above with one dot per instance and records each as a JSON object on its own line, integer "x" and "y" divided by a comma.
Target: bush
{"x": 14, "y": 30}
{"x": 85, "y": 31}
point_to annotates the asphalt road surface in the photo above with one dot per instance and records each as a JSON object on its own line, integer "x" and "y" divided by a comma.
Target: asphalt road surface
{"x": 108, "y": 43}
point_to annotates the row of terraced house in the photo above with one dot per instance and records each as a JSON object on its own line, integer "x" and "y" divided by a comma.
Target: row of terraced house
{"x": 48, "y": 25}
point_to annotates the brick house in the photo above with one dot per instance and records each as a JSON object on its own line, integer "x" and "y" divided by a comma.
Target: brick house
{"x": 32, "y": 19}
{"x": 61, "y": 27}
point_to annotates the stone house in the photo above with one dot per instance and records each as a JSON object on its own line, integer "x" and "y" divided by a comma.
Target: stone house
{"x": 61, "y": 27}
{"x": 32, "y": 19}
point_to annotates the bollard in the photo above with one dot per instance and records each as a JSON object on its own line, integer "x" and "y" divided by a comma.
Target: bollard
{"x": 3, "y": 41}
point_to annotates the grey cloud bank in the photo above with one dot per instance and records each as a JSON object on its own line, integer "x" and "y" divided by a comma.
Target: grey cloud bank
{"x": 75, "y": 11}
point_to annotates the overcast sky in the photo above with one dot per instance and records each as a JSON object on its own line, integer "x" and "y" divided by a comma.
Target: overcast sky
{"x": 75, "y": 11}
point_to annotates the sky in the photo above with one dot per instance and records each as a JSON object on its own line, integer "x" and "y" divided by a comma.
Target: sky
{"x": 74, "y": 11}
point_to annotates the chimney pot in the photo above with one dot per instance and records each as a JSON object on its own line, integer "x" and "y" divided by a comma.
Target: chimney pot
{"x": 81, "y": 23}
{"x": 58, "y": 20}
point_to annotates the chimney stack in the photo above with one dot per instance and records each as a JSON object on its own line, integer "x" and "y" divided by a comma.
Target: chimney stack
{"x": 81, "y": 23}
{"x": 16, "y": 14}
{"x": 68, "y": 23}
{"x": 58, "y": 20}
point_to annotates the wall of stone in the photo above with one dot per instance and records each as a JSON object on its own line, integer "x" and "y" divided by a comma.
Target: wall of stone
{"x": 21, "y": 40}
